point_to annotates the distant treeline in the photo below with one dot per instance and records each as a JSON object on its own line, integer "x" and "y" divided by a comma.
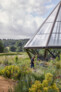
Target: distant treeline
{"x": 12, "y": 45}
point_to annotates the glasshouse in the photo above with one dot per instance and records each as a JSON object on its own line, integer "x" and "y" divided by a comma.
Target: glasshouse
{"x": 48, "y": 36}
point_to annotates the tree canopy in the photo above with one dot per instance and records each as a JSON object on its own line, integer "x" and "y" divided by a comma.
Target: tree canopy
{"x": 1, "y": 47}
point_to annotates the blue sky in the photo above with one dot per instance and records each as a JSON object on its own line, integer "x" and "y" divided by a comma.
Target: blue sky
{"x": 54, "y": 3}
{"x": 20, "y": 19}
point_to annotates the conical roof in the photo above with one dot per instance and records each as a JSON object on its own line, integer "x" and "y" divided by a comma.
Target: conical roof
{"x": 49, "y": 33}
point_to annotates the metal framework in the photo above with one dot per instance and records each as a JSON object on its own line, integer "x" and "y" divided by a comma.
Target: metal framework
{"x": 51, "y": 34}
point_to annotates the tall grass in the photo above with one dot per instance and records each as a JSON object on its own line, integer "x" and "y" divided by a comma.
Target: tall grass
{"x": 10, "y": 53}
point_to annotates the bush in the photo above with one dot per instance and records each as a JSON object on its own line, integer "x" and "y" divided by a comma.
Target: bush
{"x": 24, "y": 83}
{"x": 38, "y": 77}
{"x": 47, "y": 85}
{"x": 15, "y": 72}
{"x": 58, "y": 65}
{"x": 25, "y": 70}
{"x": 13, "y": 48}
{"x": 16, "y": 59}
{"x": 6, "y": 62}
{"x": 11, "y": 72}
{"x": 1, "y": 47}
{"x": 6, "y": 50}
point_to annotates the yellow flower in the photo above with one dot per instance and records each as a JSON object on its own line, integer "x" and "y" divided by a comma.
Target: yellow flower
{"x": 45, "y": 89}
{"x": 34, "y": 86}
{"x": 8, "y": 73}
{"x": 45, "y": 83}
{"x": 32, "y": 90}
{"x": 48, "y": 76}
{"x": 55, "y": 87}
{"x": 39, "y": 90}
{"x": 3, "y": 71}
{"x": 37, "y": 82}
{"x": 45, "y": 86}
{"x": 50, "y": 87}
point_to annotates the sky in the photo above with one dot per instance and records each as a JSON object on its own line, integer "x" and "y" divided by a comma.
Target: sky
{"x": 20, "y": 19}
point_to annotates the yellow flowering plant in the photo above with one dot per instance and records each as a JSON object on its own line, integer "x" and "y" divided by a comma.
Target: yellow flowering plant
{"x": 25, "y": 70}
{"x": 47, "y": 85}
{"x": 11, "y": 71}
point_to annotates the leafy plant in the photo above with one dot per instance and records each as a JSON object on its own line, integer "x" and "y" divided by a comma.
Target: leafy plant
{"x": 11, "y": 72}
{"x": 47, "y": 85}
{"x": 16, "y": 59}
{"x": 24, "y": 84}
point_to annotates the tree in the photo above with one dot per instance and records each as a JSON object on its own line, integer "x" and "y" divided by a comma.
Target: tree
{"x": 13, "y": 48}
{"x": 19, "y": 49}
{"x": 1, "y": 47}
{"x": 19, "y": 43}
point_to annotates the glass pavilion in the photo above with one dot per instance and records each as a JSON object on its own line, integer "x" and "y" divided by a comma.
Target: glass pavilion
{"x": 48, "y": 35}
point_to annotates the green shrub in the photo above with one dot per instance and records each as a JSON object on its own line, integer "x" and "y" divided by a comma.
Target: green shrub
{"x": 11, "y": 71}
{"x": 38, "y": 77}
{"x": 1, "y": 62}
{"x": 16, "y": 59}
{"x": 58, "y": 65}
{"x": 48, "y": 85}
{"x": 6, "y": 61}
{"x": 15, "y": 72}
{"x": 25, "y": 70}
{"x": 24, "y": 84}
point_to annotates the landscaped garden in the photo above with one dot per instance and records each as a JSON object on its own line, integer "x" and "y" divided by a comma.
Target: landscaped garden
{"x": 45, "y": 77}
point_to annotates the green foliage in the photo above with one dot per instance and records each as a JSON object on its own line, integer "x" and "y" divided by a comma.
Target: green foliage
{"x": 6, "y": 62}
{"x": 19, "y": 46}
{"x": 11, "y": 72}
{"x": 27, "y": 76}
{"x": 19, "y": 43}
{"x": 58, "y": 65}
{"x": 48, "y": 85}
{"x": 24, "y": 84}
{"x": 12, "y": 44}
{"x": 1, "y": 47}
{"x": 19, "y": 49}
{"x": 10, "y": 53}
{"x": 16, "y": 59}
{"x": 6, "y": 50}
{"x": 25, "y": 70}
{"x": 39, "y": 77}
{"x": 13, "y": 48}
{"x": 57, "y": 58}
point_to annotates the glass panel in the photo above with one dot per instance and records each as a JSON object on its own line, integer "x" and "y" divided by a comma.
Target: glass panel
{"x": 52, "y": 16}
{"x": 45, "y": 29}
{"x": 57, "y": 27}
{"x": 27, "y": 43}
{"x": 59, "y": 15}
{"x": 39, "y": 40}
{"x": 55, "y": 40}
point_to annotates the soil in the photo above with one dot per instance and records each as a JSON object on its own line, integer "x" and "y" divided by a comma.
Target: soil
{"x": 6, "y": 84}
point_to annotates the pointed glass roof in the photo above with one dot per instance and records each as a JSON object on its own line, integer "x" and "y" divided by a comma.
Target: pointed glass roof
{"x": 49, "y": 33}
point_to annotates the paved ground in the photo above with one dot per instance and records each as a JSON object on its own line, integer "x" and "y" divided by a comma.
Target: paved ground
{"x": 5, "y": 84}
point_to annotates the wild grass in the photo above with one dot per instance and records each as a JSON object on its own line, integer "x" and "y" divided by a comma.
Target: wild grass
{"x": 18, "y": 59}
{"x": 40, "y": 69}
{"x": 10, "y": 53}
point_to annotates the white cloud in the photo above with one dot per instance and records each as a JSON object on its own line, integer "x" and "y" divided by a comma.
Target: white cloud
{"x": 50, "y": 6}
{"x": 4, "y": 18}
{"x": 21, "y": 18}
